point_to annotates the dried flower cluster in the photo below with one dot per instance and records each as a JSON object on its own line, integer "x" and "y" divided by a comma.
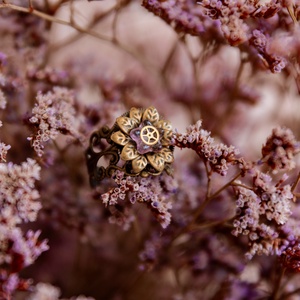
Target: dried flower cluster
{"x": 261, "y": 211}
{"x": 53, "y": 114}
{"x": 152, "y": 191}
{"x": 250, "y": 24}
{"x": 19, "y": 198}
{"x": 280, "y": 149}
{"x": 19, "y": 203}
{"x": 218, "y": 156}
{"x": 291, "y": 258}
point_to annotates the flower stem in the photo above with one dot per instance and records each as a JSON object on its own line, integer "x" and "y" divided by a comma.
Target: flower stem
{"x": 276, "y": 292}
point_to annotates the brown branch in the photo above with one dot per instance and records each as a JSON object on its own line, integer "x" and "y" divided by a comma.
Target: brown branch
{"x": 86, "y": 31}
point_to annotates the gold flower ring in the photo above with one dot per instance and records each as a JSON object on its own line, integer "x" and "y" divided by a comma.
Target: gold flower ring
{"x": 139, "y": 145}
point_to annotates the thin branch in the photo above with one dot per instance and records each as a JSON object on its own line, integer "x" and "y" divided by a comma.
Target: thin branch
{"x": 209, "y": 174}
{"x": 243, "y": 186}
{"x": 296, "y": 182}
{"x": 233, "y": 98}
{"x": 231, "y": 182}
{"x": 74, "y": 38}
{"x": 49, "y": 18}
{"x": 77, "y": 27}
{"x": 276, "y": 292}
{"x": 72, "y": 13}
{"x": 200, "y": 209}
{"x": 169, "y": 57}
{"x": 288, "y": 295}
{"x": 30, "y": 5}
{"x": 209, "y": 224}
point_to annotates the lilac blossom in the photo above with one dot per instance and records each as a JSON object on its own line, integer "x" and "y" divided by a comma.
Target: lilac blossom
{"x": 53, "y": 114}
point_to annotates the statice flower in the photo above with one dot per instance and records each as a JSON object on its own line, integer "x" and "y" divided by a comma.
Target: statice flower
{"x": 18, "y": 203}
{"x": 17, "y": 252}
{"x": 291, "y": 258}
{"x": 230, "y": 15}
{"x": 18, "y": 196}
{"x": 235, "y": 22}
{"x": 218, "y": 156}
{"x": 53, "y": 114}
{"x": 261, "y": 212}
{"x": 185, "y": 16}
{"x": 280, "y": 149}
{"x": 152, "y": 191}
{"x": 271, "y": 60}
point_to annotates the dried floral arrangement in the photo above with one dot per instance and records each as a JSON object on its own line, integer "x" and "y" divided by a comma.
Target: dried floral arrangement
{"x": 149, "y": 149}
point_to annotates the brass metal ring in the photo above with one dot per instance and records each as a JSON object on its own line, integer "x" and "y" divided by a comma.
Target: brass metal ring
{"x": 138, "y": 144}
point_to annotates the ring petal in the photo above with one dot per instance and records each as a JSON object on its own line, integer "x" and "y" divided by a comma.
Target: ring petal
{"x": 129, "y": 152}
{"x": 139, "y": 164}
{"x": 119, "y": 138}
{"x": 126, "y": 124}
{"x": 157, "y": 161}
{"x": 136, "y": 113}
{"x": 165, "y": 125}
{"x": 167, "y": 154}
{"x": 151, "y": 114}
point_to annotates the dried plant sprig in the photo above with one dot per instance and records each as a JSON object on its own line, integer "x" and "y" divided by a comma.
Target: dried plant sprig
{"x": 53, "y": 114}
{"x": 217, "y": 155}
{"x": 261, "y": 212}
{"x": 280, "y": 150}
{"x": 291, "y": 258}
{"x": 154, "y": 191}
{"x": 19, "y": 199}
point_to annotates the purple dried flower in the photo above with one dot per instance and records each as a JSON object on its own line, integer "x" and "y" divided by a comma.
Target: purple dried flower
{"x": 280, "y": 149}
{"x": 18, "y": 196}
{"x": 53, "y": 114}
{"x": 152, "y": 191}
{"x": 291, "y": 258}
{"x": 219, "y": 156}
{"x": 261, "y": 212}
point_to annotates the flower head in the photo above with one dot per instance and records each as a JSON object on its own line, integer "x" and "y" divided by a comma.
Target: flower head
{"x": 145, "y": 139}
{"x": 280, "y": 149}
{"x": 291, "y": 258}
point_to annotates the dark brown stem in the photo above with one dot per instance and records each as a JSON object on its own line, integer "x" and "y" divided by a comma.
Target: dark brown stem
{"x": 296, "y": 182}
{"x": 276, "y": 292}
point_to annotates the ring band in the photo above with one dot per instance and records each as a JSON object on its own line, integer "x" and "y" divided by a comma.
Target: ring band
{"x": 139, "y": 144}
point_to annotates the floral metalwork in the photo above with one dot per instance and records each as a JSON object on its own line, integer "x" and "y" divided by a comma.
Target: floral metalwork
{"x": 139, "y": 145}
